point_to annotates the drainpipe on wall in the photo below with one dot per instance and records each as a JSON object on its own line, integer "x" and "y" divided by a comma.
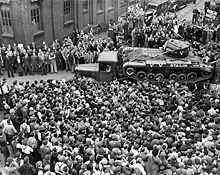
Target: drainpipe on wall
{"x": 0, "y": 31}
{"x": 105, "y": 11}
{"x": 77, "y": 13}
{"x": 52, "y": 20}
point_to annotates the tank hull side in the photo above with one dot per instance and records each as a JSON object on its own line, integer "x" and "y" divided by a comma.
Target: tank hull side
{"x": 180, "y": 73}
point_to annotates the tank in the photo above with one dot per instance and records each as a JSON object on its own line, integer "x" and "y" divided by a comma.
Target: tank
{"x": 172, "y": 62}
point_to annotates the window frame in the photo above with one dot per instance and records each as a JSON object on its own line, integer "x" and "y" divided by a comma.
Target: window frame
{"x": 123, "y": 2}
{"x": 36, "y": 14}
{"x": 110, "y": 5}
{"x": 87, "y": 5}
{"x": 67, "y": 11}
{"x": 6, "y": 20}
{"x": 105, "y": 67}
{"x": 100, "y": 5}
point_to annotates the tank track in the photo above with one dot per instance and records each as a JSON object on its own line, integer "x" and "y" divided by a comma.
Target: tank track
{"x": 198, "y": 80}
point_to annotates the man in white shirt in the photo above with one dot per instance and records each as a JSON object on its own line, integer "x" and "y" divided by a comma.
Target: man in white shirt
{"x": 9, "y": 131}
{"x": 137, "y": 166}
{"x": 47, "y": 170}
{"x": 4, "y": 92}
{"x": 59, "y": 165}
{"x": 4, "y": 122}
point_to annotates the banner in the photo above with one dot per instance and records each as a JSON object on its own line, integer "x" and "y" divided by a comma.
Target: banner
{"x": 211, "y": 14}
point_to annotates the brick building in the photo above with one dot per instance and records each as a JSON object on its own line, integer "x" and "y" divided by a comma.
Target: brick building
{"x": 25, "y": 21}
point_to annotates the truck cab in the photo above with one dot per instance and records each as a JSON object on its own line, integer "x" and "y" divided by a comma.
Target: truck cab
{"x": 158, "y": 6}
{"x": 105, "y": 69}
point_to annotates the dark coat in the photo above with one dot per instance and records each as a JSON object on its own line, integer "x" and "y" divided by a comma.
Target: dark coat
{"x": 9, "y": 62}
{"x": 27, "y": 169}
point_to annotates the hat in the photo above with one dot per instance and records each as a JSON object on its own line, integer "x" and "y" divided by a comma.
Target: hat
{"x": 47, "y": 157}
{"x": 9, "y": 160}
{"x": 47, "y": 167}
{"x": 188, "y": 162}
{"x": 87, "y": 172}
{"x": 197, "y": 161}
{"x": 39, "y": 163}
{"x": 101, "y": 151}
{"x": 61, "y": 158}
{"x": 15, "y": 82}
{"x": 12, "y": 111}
{"x": 89, "y": 150}
{"x": 31, "y": 109}
{"x": 181, "y": 164}
{"x": 26, "y": 159}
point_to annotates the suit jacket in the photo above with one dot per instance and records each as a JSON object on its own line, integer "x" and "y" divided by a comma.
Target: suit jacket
{"x": 27, "y": 169}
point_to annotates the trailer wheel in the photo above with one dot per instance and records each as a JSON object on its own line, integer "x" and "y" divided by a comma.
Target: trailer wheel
{"x": 141, "y": 75}
{"x": 173, "y": 77}
{"x": 182, "y": 77}
{"x": 191, "y": 76}
{"x": 159, "y": 76}
{"x": 130, "y": 71}
{"x": 151, "y": 76}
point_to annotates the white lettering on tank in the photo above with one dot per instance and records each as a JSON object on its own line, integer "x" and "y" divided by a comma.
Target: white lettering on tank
{"x": 178, "y": 65}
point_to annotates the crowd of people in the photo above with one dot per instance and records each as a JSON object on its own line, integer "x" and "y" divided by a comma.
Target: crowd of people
{"x": 142, "y": 30}
{"x": 80, "y": 127}
{"x": 137, "y": 29}
{"x": 78, "y": 48}
{"x": 88, "y": 128}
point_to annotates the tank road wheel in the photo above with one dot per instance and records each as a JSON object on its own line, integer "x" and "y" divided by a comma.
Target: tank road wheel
{"x": 173, "y": 77}
{"x": 159, "y": 76}
{"x": 206, "y": 74}
{"x": 191, "y": 76}
{"x": 130, "y": 71}
{"x": 151, "y": 76}
{"x": 141, "y": 75}
{"x": 182, "y": 77}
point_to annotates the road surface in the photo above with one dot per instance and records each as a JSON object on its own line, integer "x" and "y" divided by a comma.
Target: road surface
{"x": 186, "y": 13}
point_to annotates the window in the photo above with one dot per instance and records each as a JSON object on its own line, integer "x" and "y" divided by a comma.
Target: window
{"x": 100, "y": 4}
{"x": 105, "y": 67}
{"x": 110, "y": 3}
{"x": 85, "y": 4}
{"x": 132, "y": 2}
{"x": 6, "y": 20}
{"x": 36, "y": 18}
{"x": 152, "y": 6}
{"x": 67, "y": 10}
{"x": 123, "y": 1}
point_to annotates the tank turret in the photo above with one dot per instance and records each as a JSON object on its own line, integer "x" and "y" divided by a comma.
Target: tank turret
{"x": 172, "y": 62}
{"x": 176, "y": 48}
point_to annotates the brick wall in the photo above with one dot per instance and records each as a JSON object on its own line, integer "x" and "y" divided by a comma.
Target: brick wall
{"x": 21, "y": 23}
{"x": 53, "y": 21}
{"x": 110, "y": 14}
{"x": 58, "y": 20}
{"x": 54, "y": 26}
